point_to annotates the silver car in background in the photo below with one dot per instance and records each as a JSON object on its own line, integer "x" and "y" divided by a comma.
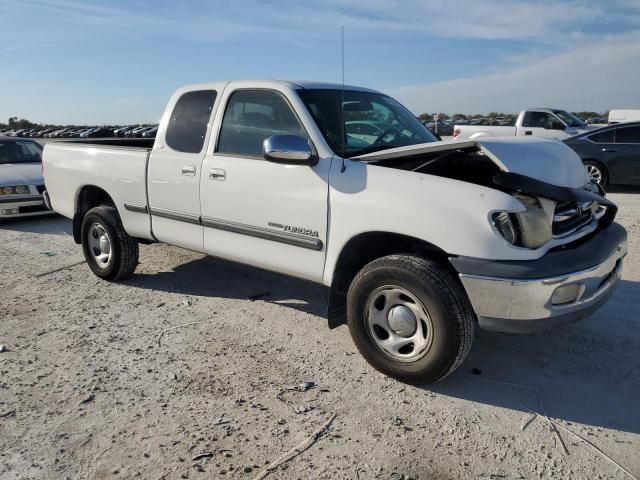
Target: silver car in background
{"x": 21, "y": 181}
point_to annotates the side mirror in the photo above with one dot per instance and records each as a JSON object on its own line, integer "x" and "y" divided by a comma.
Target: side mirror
{"x": 289, "y": 150}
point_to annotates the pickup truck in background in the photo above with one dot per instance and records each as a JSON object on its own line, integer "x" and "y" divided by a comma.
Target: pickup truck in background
{"x": 416, "y": 240}
{"x": 538, "y": 122}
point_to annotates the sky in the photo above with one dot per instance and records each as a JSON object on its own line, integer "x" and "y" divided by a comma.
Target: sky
{"x": 118, "y": 61}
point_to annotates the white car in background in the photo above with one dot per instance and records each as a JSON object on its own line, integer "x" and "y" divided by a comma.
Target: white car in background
{"x": 624, "y": 115}
{"x": 21, "y": 182}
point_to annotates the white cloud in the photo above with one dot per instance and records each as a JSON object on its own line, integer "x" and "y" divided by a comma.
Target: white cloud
{"x": 539, "y": 20}
{"x": 597, "y": 76}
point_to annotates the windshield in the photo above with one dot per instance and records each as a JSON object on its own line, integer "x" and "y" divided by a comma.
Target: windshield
{"x": 372, "y": 121}
{"x": 569, "y": 119}
{"x": 19, "y": 152}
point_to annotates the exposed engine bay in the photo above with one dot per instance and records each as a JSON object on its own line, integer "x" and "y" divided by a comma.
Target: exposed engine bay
{"x": 551, "y": 212}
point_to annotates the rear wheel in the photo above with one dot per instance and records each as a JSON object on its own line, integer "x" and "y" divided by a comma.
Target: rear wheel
{"x": 110, "y": 252}
{"x": 410, "y": 318}
{"x": 597, "y": 172}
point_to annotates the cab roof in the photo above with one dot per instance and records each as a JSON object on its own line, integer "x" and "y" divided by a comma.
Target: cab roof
{"x": 295, "y": 84}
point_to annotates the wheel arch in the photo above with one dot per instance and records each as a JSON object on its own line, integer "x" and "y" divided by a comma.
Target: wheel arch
{"x": 88, "y": 196}
{"x": 364, "y": 248}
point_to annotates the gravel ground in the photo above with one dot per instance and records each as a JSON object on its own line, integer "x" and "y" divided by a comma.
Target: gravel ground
{"x": 96, "y": 381}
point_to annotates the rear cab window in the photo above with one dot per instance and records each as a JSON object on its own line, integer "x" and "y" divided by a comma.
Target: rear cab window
{"x": 187, "y": 127}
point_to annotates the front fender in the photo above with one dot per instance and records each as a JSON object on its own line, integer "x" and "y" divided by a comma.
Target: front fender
{"x": 452, "y": 215}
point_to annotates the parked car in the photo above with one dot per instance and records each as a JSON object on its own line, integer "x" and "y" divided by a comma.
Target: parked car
{"x": 423, "y": 238}
{"x": 150, "y": 133}
{"x": 539, "y": 122}
{"x": 44, "y": 132}
{"x": 624, "y": 115}
{"x": 611, "y": 154}
{"x": 21, "y": 182}
{"x": 136, "y": 132}
{"x": 440, "y": 128}
{"x": 55, "y": 133}
{"x": 119, "y": 132}
{"x": 75, "y": 133}
{"x": 99, "y": 133}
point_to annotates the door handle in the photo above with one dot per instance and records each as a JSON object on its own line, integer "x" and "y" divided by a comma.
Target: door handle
{"x": 217, "y": 174}
{"x": 609, "y": 150}
{"x": 528, "y": 132}
{"x": 189, "y": 170}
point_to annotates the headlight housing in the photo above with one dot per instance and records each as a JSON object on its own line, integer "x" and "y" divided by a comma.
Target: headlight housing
{"x": 13, "y": 189}
{"x": 530, "y": 229}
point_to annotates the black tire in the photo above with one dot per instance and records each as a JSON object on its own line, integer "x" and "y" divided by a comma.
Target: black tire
{"x": 451, "y": 316}
{"x": 594, "y": 164}
{"x": 123, "y": 248}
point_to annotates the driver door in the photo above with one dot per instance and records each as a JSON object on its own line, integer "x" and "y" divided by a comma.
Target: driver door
{"x": 269, "y": 215}
{"x": 542, "y": 124}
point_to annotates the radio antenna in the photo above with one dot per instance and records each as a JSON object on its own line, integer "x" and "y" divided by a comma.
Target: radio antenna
{"x": 343, "y": 134}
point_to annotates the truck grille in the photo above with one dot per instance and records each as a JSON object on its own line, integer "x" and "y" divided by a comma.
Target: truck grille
{"x": 569, "y": 217}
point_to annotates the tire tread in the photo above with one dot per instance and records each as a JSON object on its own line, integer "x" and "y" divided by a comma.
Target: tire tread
{"x": 128, "y": 246}
{"x": 449, "y": 291}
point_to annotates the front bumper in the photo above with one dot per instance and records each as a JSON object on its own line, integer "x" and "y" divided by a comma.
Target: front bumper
{"x": 22, "y": 206}
{"x": 520, "y": 297}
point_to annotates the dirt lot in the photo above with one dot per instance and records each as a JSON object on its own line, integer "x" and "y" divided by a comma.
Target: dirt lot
{"x": 93, "y": 385}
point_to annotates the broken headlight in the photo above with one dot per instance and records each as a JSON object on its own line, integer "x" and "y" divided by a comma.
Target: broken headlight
{"x": 530, "y": 229}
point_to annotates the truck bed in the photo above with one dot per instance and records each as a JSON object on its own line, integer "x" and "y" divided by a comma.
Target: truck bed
{"x": 116, "y": 168}
{"x": 468, "y": 131}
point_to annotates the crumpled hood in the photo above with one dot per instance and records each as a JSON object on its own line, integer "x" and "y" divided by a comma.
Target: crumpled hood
{"x": 21, "y": 174}
{"x": 547, "y": 160}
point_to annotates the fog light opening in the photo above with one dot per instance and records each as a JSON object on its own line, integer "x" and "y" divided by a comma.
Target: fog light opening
{"x": 567, "y": 294}
{"x": 9, "y": 211}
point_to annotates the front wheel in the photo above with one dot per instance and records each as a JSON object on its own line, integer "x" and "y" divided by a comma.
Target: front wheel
{"x": 596, "y": 172}
{"x": 410, "y": 318}
{"x": 110, "y": 252}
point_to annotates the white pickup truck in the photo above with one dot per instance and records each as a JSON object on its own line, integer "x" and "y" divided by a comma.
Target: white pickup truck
{"x": 539, "y": 122}
{"x": 417, "y": 240}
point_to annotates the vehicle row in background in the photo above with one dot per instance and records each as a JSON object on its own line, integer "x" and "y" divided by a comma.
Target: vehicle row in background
{"x": 133, "y": 131}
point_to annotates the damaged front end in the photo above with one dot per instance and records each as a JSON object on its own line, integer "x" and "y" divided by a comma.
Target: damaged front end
{"x": 553, "y": 215}
{"x": 559, "y": 202}
{"x": 567, "y": 252}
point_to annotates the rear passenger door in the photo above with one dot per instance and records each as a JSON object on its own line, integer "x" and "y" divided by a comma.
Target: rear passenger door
{"x": 175, "y": 167}
{"x": 623, "y": 157}
{"x": 254, "y": 211}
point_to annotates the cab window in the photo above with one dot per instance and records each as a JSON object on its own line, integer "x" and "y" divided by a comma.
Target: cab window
{"x": 252, "y": 116}
{"x": 541, "y": 120}
{"x": 188, "y": 124}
